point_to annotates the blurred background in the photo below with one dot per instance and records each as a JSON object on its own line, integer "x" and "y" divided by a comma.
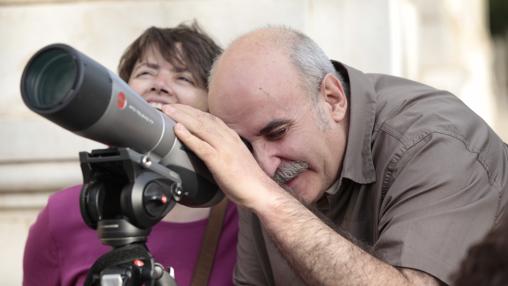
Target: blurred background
{"x": 457, "y": 45}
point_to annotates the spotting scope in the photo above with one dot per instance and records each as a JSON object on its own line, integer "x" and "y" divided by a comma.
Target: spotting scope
{"x": 77, "y": 93}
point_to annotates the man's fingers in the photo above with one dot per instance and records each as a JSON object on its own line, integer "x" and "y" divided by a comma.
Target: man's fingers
{"x": 201, "y": 124}
{"x": 201, "y": 148}
{"x": 179, "y": 114}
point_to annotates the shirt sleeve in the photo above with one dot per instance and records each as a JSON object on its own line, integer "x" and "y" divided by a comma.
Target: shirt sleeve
{"x": 249, "y": 268}
{"x": 440, "y": 200}
{"x": 40, "y": 258}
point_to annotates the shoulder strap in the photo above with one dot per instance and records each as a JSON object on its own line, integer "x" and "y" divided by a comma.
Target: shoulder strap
{"x": 209, "y": 246}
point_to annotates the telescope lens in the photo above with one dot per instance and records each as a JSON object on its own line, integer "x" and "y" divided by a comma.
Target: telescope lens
{"x": 50, "y": 78}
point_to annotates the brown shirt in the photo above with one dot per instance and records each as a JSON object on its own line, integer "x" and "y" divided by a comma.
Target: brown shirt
{"x": 422, "y": 179}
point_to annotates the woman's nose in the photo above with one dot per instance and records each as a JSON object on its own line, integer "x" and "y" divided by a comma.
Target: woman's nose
{"x": 162, "y": 85}
{"x": 159, "y": 86}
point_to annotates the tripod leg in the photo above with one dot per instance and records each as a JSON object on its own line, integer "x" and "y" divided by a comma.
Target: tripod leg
{"x": 163, "y": 277}
{"x": 115, "y": 257}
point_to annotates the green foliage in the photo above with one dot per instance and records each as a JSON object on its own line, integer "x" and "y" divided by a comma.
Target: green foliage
{"x": 498, "y": 16}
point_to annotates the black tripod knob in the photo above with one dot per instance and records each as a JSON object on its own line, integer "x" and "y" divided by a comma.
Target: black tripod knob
{"x": 156, "y": 198}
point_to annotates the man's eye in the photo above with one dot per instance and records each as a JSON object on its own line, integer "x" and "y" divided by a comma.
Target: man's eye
{"x": 247, "y": 143}
{"x": 277, "y": 133}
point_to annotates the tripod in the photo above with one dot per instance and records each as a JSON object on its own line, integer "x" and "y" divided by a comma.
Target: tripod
{"x": 128, "y": 264}
{"x": 123, "y": 196}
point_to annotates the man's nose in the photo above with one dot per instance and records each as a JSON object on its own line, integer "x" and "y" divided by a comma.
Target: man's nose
{"x": 266, "y": 157}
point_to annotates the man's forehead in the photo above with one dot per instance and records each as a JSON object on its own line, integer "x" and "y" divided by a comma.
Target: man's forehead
{"x": 253, "y": 82}
{"x": 251, "y": 53}
{"x": 248, "y": 116}
{"x": 250, "y": 87}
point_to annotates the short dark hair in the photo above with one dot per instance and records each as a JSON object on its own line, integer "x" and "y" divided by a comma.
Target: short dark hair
{"x": 197, "y": 50}
{"x": 486, "y": 262}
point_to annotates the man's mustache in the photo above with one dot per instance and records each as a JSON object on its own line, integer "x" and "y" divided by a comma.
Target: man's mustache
{"x": 288, "y": 171}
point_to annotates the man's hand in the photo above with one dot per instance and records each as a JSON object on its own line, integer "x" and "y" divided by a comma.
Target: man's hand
{"x": 224, "y": 153}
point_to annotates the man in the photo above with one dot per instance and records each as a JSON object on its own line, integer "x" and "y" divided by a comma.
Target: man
{"x": 163, "y": 65}
{"x": 407, "y": 171}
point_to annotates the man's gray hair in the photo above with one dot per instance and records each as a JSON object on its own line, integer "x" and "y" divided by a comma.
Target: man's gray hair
{"x": 307, "y": 57}
{"x": 310, "y": 60}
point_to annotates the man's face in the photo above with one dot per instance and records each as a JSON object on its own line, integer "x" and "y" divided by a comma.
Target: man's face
{"x": 293, "y": 138}
{"x": 159, "y": 82}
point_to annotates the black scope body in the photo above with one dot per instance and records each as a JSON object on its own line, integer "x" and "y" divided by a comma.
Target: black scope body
{"x": 77, "y": 93}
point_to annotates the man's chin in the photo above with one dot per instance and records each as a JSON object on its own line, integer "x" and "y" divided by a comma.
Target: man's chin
{"x": 297, "y": 195}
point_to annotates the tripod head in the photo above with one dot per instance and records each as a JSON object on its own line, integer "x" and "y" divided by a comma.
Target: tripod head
{"x": 124, "y": 194}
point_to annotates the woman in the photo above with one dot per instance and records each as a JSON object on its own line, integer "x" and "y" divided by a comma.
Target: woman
{"x": 164, "y": 66}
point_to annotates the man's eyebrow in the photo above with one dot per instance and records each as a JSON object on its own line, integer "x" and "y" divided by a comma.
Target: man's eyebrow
{"x": 274, "y": 124}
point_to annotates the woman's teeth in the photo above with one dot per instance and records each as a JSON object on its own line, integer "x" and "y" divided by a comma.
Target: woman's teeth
{"x": 157, "y": 105}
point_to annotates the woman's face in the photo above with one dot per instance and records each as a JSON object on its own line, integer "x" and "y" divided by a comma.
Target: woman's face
{"x": 159, "y": 82}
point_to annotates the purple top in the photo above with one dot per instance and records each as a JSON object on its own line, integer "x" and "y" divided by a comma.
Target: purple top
{"x": 61, "y": 248}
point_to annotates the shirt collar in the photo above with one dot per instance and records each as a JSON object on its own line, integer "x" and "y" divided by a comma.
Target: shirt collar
{"x": 358, "y": 164}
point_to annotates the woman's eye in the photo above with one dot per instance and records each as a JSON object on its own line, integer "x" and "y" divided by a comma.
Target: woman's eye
{"x": 186, "y": 79}
{"x": 143, "y": 73}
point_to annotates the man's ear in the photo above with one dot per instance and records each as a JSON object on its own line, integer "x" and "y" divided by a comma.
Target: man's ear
{"x": 334, "y": 96}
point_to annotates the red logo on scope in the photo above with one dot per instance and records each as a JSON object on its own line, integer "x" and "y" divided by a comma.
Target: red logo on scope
{"x": 121, "y": 102}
